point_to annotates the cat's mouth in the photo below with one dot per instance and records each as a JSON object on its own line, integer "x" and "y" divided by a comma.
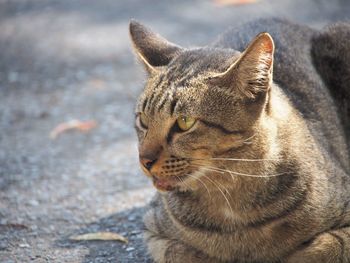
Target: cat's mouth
{"x": 166, "y": 184}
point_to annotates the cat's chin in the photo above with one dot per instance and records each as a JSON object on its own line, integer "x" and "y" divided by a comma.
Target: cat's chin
{"x": 165, "y": 184}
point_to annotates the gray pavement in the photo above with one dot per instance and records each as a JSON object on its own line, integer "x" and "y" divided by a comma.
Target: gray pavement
{"x": 71, "y": 59}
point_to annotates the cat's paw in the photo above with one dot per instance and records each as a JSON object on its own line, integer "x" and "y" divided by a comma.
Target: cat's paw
{"x": 178, "y": 252}
{"x": 324, "y": 248}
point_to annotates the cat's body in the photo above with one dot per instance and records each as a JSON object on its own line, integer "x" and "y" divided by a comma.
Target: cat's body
{"x": 268, "y": 163}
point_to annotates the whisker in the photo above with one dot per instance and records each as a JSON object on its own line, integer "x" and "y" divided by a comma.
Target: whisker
{"x": 248, "y": 140}
{"x": 215, "y": 183}
{"x": 220, "y": 184}
{"x": 182, "y": 181}
{"x": 232, "y": 177}
{"x": 199, "y": 180}
{"x": 235, "y": 159}
{"x": 216, "y": 169}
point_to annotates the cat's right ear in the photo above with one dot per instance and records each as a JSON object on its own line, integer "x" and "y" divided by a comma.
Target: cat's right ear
{"x": 251, "y": 73}
{"x": 153, "y": 50}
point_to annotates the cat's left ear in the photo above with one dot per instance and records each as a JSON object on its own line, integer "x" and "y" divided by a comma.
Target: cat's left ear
{"x": 251, "y": 73}
{"x": 153, "y": 50}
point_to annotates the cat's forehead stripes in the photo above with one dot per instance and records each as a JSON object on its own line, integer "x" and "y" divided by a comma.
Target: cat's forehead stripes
{"x": 173, "y": 105}
{"x": 160, "y": 95}
{"x": 168, "y": 98}
{"x": 144, "y": 104}
{"x": 164, "y": 101}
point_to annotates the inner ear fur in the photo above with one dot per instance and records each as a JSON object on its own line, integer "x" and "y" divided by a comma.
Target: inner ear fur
{"x": 251, "y": 73}
{"x": 153, "y": 50}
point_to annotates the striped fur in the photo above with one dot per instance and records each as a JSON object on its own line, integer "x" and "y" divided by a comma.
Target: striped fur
{"x": 264, "y": 173}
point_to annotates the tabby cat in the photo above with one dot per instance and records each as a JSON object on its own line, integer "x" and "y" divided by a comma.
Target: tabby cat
{"x": 248, "y": 145}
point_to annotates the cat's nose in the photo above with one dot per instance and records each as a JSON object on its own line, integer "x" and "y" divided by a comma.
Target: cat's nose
{"x": 147, "y": 163}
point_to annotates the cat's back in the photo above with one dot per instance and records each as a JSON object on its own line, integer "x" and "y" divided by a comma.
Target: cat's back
{"x": 296, "y": 75}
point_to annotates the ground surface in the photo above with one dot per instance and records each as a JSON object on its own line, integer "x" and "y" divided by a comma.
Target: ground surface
{"x": 67, "y": 59}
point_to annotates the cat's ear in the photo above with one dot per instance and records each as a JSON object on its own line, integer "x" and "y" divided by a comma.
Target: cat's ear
{"x": 153, "y": 50}
{"x": 251, "y": 73}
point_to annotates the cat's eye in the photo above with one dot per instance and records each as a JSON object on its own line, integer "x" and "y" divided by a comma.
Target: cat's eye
{"x": 143, "y": 120}
{"x": 185, "y": 123}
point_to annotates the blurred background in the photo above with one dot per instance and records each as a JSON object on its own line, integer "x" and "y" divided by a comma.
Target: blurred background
{"x": 68, "y": 85}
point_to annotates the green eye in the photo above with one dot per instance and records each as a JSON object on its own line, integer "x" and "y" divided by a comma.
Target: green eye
{"x": 143, "y": 120}
{"x": 185, "y": 123}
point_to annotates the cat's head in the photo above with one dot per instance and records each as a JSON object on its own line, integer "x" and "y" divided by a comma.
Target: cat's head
{"x": 198, "y": 105}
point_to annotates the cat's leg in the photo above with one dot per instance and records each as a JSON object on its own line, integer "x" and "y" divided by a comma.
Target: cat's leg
{"x": 164, "y": 249}
{"x": 328, "y": 247}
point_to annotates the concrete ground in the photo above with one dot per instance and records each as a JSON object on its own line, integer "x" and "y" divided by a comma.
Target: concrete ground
{"x": 71, "y": 59}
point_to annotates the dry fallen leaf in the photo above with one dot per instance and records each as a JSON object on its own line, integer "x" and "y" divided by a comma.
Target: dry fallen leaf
{"x": 234, "y": 2}
{"x": 14, "y": 225}
{"x": 84, "y": 126}
{"x": 97, "y": 83}
{"x": 100, "y": 236}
